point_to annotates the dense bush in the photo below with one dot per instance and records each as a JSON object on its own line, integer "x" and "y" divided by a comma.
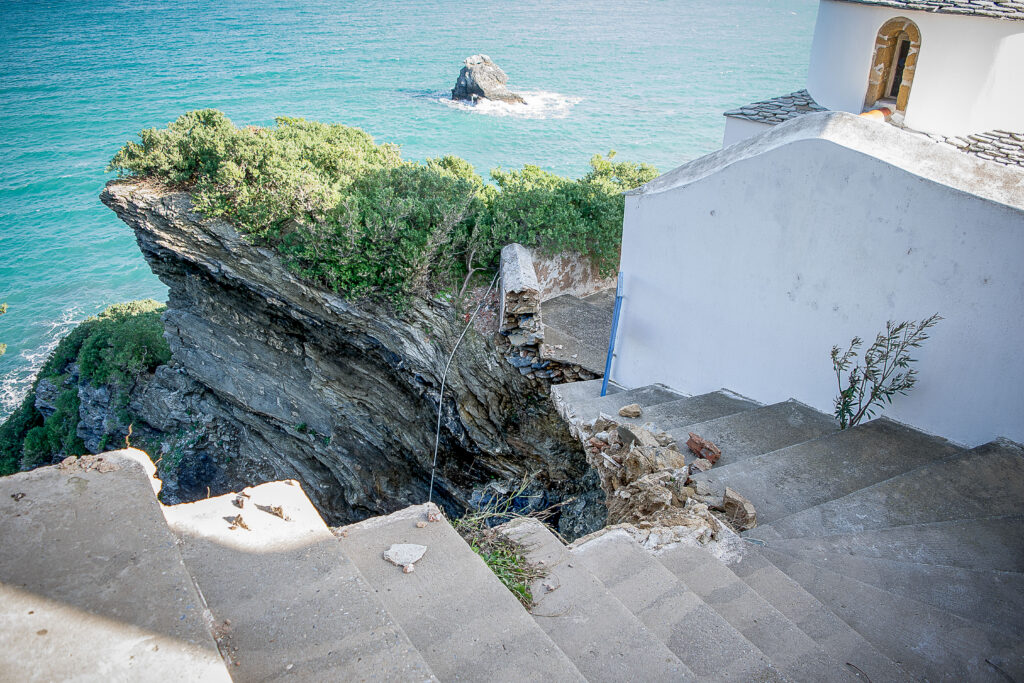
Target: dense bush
{"x": 352, "y": 215}
{"x": 112, "y": 348}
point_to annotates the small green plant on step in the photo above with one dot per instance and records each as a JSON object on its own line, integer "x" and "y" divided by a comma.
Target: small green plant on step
{"x": 506, "y": 558}
{"x": 885, "y": 370}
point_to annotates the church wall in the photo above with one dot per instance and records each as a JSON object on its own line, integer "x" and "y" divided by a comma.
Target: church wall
{"x": 745, "y": 277}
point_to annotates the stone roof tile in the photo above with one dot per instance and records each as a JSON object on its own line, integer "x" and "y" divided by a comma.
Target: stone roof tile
{"x": 997, "y": 9}
{"x": 778, "y": 109}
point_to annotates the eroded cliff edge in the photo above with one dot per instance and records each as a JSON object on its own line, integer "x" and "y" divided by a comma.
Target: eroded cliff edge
{"x": 273, "y": 378}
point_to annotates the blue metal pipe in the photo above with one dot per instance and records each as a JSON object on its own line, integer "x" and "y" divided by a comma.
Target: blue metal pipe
{"x": 611, "y": 338}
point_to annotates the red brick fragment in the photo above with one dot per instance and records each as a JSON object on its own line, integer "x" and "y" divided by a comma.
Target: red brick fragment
{"x": 704, "y": 448}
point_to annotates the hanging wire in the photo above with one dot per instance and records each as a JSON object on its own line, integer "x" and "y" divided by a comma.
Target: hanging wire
{"x": 444, "y": 378}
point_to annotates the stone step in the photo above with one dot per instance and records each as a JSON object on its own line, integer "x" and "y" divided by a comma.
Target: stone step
{"x": 824, "y": 469}
{"x": 572, "y": 393}
{"x": 285, "y": 599}
{"x": 604, "y": 299}
{"x": 567, "y": 349}
{"x": 696, "y": 633}
{"x": 589, "y": 322}
{"x": 693, "y": 409}
{"x": 587, "y": 405}
{"x": 833, "y": 634}
{"x": 926, "y": 642}
{"x": 92, "y": 586}
{"x": 760, "y": 430}
{"x": 995, "y": 543}
{"x": 989, "y": 597}
{"x": 790, "y": 650}
{"x": 982, "y": 482}
{"x": 456, "y": 612}
{"x": 601, "y": 637}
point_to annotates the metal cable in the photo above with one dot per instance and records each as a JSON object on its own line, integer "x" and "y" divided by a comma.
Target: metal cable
{"x": 444, "y": 378}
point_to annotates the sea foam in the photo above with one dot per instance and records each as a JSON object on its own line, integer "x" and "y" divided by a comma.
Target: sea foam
{"x": 539, "y": 104}
{"x": 16, "y": 383}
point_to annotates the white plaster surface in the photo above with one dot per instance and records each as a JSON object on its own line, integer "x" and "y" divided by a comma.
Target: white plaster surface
{"x": 743, "y": 268}
{"x": 741, "y": 129}
{"x": 969, "y": 70}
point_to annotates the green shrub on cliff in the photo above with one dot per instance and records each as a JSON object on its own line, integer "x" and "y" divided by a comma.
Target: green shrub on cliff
{"x": 114, "y": 348}
{"x": 352, "y": 215}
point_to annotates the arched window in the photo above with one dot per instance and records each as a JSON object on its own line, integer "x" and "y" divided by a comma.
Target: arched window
{"x": 892, "y": 69}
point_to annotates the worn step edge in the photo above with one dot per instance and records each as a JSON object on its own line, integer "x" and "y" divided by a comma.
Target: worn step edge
{"x": 462, "y": 619}
{"x": 286, "y": 599}
{"x": 814, "y": 618}
{"x": 918, "y": 626}
{"x": 671, "y": 611}
{"x": 791, "y": 650}
{"x": 603, "y": 638}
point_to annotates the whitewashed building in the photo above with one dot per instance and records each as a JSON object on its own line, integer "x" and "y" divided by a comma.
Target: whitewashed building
{"x": 814, "y": 224}
{"x": 951, "y": 69}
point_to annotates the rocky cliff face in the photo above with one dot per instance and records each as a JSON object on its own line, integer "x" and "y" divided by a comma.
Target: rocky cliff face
{"x": 273, "y": 378}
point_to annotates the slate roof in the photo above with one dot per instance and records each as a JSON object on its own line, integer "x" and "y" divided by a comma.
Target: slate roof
{"x": 778, "y": 109}
{"x": 999, "y": 9}
{"x": 999, "y": 146}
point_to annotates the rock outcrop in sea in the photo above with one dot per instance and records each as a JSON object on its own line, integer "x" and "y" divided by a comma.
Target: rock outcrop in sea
{"x": 482, "y": 78}
{"x": 273, "y": 378}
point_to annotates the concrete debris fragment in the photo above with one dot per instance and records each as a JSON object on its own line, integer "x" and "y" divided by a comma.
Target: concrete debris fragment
{"x": 703, "y": 448}
{"x": 701, "y": 464}
{"x": 648, "y": 488}
{"x": 633, "y": 410}
{"x": 408, "y": 569}
{"x": 434, "y": 516}
{"x": 87, "y": 463}
{"x": 17, "y": 496}
{"x": 405, "y": 554}
{"x": 239, "y": 523}
{"x": 421, "y": 525}
{"x": 739, "y": 511}
{"x": 278, "y": 511}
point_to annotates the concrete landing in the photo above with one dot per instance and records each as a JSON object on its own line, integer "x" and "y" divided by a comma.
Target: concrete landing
{"x": 696, "y": 633}
{"x": 576, "y": 331}
{"x": 579, "y": 405}
{"x": 790, "y": 650}
{"x": 460, "y": 617}
{"x": 92, "y": 586}
{"x": 760, "y": 430}
{"x": 983, "y": 482}
{"x": 692, "y": 410}
{"x": 285, "y": 599}
{"x": 601, "y": 637}
{"x": 927, "y": 642}
{"x": 833, "y": 634}
{"x": 818, "y": 471}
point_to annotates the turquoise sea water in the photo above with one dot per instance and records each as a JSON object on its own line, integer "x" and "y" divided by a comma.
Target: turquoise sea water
{"x": 648, "y": 79}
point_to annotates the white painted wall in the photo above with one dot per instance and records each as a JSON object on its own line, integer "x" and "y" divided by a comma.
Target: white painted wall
{"x": 743, "y": 268}
{"x": 740, "y": 129}
{"x": 969, "y": 71}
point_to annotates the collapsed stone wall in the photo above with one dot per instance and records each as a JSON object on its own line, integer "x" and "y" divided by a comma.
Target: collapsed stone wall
{"x": 645, "y": 475}
{"x": 274, "y": 378}
{"x": 521, "y": 312}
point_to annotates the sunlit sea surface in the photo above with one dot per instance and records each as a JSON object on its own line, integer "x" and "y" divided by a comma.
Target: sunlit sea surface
{"x": 647, "y": 79}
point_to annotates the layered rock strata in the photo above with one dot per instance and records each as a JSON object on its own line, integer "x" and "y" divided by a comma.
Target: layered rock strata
{"x": 279, "y": 379}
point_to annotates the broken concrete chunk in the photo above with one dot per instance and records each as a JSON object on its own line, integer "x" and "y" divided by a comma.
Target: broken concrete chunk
{"x": 630, "y": 434}
{"x": 633, "y": 410}
{"x": 701, "y": 464}
{"x": 739, "y": 511}
{"x": 404, "y": 554}
{"x": 704, "y": 448}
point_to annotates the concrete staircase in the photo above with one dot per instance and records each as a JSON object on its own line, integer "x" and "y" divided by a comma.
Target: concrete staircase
{"x": 883, "y": 554}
